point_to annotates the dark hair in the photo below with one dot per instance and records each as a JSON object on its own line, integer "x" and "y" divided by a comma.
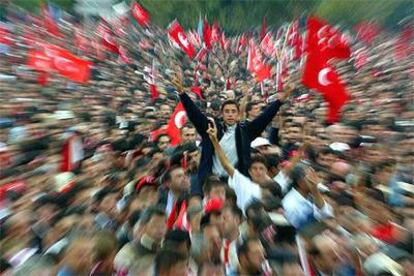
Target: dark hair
{"x": 167, "y": 175}
{"x": 166, "y": 259}
{"x": 236, "y": 211}
{"x": 187, "y": 125}
{"x": 297, "y": 174}
{"x": 151, "y": 212}
{"x": 229, "y": 102}
{"x": 211, "y": 182}
{"x": 272, "y": 160}
{"x": 258, "y": 159}
{"x": 175, "y": 237}
{"x": 250, "y": 105}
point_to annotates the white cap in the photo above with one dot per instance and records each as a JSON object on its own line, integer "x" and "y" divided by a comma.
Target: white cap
{"x": 260, "y": 141}
{"x": 64, "y": 114}
{"x": 337, "y": 146}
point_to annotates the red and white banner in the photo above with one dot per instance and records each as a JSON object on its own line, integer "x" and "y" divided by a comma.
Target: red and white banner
{"x": 72, "y": 153}
{"x": 177, "y": 120}
{"x": 178, "y": 36}
{"x": 140, "y": 14}
{"x": 52, "y": 58}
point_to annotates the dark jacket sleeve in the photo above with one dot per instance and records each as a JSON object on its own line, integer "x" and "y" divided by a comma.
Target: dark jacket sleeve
{"x": 258, "y": 125}
{"x": 198, "y": 119}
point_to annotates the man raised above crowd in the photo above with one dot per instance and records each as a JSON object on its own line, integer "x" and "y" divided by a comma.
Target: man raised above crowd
{"x": 234, "y": 136}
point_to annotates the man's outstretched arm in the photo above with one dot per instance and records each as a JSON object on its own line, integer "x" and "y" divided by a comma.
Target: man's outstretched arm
{"x": 194, "y": 114}
{"x": 258, "y": 125}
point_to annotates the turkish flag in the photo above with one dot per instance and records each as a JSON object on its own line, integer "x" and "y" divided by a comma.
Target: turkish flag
{"x": 295, "y": 39}
{"x": 215, "y": 32}
{"x": 107, "y": 37}
{"x": 318, "y": 74}
{"x": 177, "y": 120}
{"x": 326, "y": 40}
{"x": 140, "y": 14}
{"x": 177, "y": 34}
{"x": 265, "y": 72}
{"x": 207, "y": 34}
{"x": 267, "y": 45}
{"x": 39, "y": 61}
{"x": 255, "y": 64}
{"x": 154, "y": 92}
{"x": 367, "y": 31}
{"x": 52, "y": 58}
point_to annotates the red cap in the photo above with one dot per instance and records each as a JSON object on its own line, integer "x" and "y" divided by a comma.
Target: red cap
{"x": 214, "y": 205}
{"x": 145, "y": 181}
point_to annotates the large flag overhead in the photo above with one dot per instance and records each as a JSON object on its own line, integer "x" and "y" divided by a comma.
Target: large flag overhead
{"x": 324, "y": 43}
{"x": 52, "y": 58}
{"x": 140, "y": 14}
{"x": 178, "y": 36}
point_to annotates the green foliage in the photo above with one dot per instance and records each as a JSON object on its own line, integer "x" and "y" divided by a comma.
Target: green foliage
{"x": 241, "y": 15}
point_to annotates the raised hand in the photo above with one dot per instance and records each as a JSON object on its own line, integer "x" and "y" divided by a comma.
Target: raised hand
{"x": 212, "y": 130}
{"x": 177, "y": 81}
{"x": 287, "y": 91}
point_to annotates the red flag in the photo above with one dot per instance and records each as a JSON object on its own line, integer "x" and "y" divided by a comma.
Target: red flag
{"x": 72, "y": 153}
{"x": 255, "y": 64}
{"x": 318, "y": 74}
{"x": 198, "y": 91}
{"x": 53, "y": 58}
{"x": 295, "y": 39}
{"x": 177, "y": 120}
{"x": 177, "y": 34}
{"x": 263, "y": 31}
{"x": 215, "y": 32}
{"x": 107, "y": 37}
{"x": 326, "y": 40}
{"x": 43, "y": 78}
{"x": 39, "y": 61}
{"x": 402, "y": 47}
{"x": 154, "y": 92}
{"x": 267, "y": 45}
{"x": 49, "y": 22}
{"x": 140, "y": 14}
{"x": 367, "y": 31}
{"x": 206, "y": 34}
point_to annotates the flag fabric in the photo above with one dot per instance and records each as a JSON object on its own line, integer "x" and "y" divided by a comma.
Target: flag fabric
{"x": 267, "y": 45}
{"x": 177, "y": 120}
{"x": 55, "y": 59}
{"x": 140, "y": 14}
{"x": 263, "y": 30}
{"x": 367, "y": 31}
{"x": 178, "y": 36}
{"x": 318, "y": 73}
{"x": 403, "y": 46}
{"x": 360, "y": 58}
{"x": 207, "y": 34}
{"x": 215, "y": 32}
{"x": 255, "y": 64}
{"x": 294, "y": 39}
{"x": 107, "y": 37}
{"x": 72, "y": 153}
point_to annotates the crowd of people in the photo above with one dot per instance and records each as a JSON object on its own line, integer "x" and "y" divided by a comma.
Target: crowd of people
{"x": 256, "y": 185}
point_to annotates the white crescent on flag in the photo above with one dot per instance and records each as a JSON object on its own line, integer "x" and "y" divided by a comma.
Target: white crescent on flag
{"x": 179, "y": 119}
{"x": 183, "y": 40}
{"x": 323, "y": 78}
{"x": 65, "y": 64}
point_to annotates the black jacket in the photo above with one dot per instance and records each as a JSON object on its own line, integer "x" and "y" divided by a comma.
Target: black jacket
{"x": 246, "y": 132}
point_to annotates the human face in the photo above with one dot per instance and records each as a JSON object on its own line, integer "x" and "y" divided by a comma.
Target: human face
{"x": 179, "y": 181}
{"x": 326, "y": 160}
{"x": 254, "y": 112}
{"x": 188, "y": 134}
{"x": 156, "y": 228}
{"x": 232, "y": 223}
{"x": 218, "y": 191}
{"x": 165, "y": 111}
{"x": 294, "y": 134}
{"x": 258, "y": 172}
{"x": 230, "y": 114}
{"x": 163, "y": 142}
{"x": 327, "y": 260}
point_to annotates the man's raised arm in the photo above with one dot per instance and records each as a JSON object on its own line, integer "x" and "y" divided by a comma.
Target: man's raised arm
{"x": 194, "y": 114}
